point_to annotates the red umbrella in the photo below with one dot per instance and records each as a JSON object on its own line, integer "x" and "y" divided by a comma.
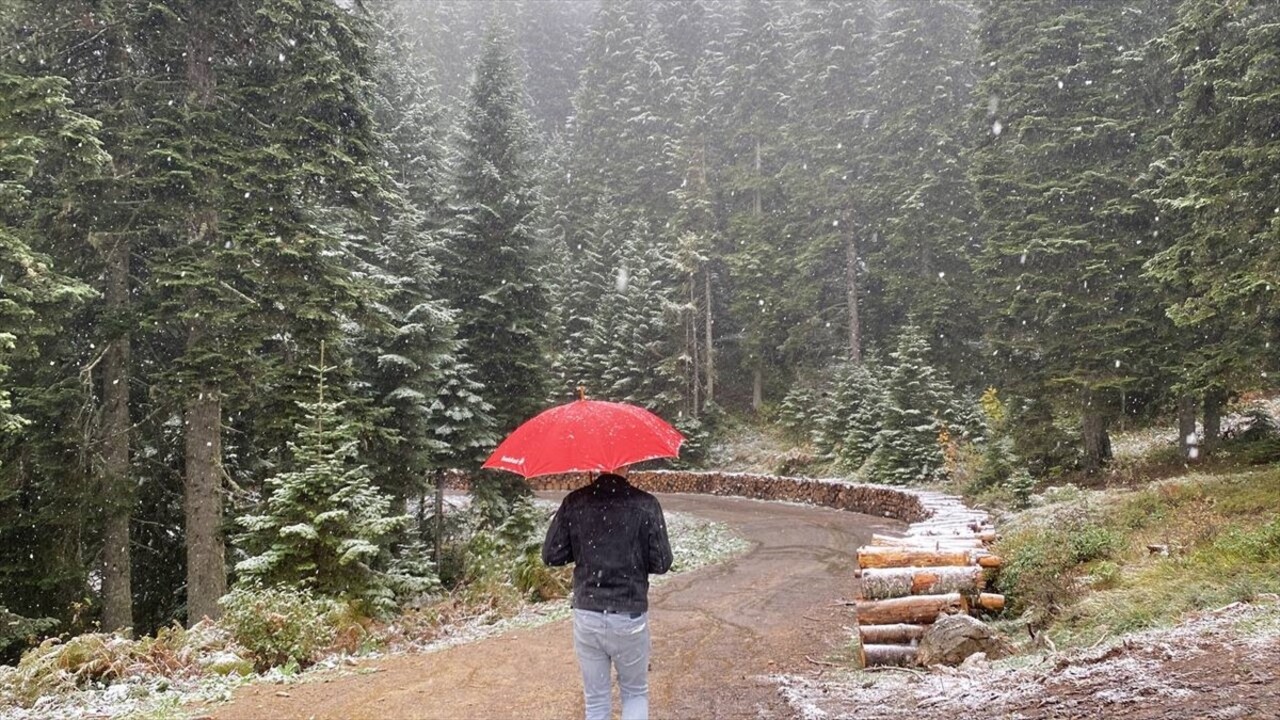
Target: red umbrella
{"x": 585, "y": 436}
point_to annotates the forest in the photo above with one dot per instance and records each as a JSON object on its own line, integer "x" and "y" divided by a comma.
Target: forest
{"x": 267, "y": 261}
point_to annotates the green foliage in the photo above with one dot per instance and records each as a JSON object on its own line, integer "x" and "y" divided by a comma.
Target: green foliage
{"x": 1065, "y": 131}
{"x": 918, "y": 401}
{"x": 501, "y": 302}
{"x": 847, "y": 420}
{"x": 1220, "y": 533}
{"x": 279, "y": 626}
{"x": 798, "y": 409}
{"x": 507, "y": 553}
{"x": 1215, "y": 193}
{"x": 324, "y": 526}
{"x": 16, "y": 629}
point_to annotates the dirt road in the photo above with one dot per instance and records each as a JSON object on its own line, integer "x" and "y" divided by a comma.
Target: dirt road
{"x": 716, "y": 631}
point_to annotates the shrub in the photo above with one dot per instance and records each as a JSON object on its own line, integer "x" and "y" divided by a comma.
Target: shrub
{"x": 1040, "y": 571}
{"x": 16, "y": 629}
{"x": 279, "y": 626}
{"x": 1092, "y": 542}
{"x": 56, "y": 666}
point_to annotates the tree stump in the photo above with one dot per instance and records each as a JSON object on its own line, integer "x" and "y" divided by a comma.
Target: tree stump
{"x": 955, "y": 637}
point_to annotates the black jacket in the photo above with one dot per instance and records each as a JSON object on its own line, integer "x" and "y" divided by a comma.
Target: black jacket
{"x": 617, "y": 536}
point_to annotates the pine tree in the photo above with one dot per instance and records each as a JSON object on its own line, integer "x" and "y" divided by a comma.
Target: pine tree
{"x": 48, "y": 152}
{"x": 1217, "y": 195}
{"x": 261, "y": 156}
{"x": 833, "y": 222}
{"x": 491, "y": 255}
{"x": 412, "y": 361}
{"x": 691, "y": 233}
{"x": 919, "y": 194}
{"x": 324, "y": 526}
{"x": 917, "y": 399}
{"x": 754, "y": 106}
{"x": 1062, "y": 260}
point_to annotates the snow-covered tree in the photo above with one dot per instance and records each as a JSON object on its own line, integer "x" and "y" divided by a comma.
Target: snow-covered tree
{"x": 489, "y": 266}
{"x": 324, "y": 525}
{"x": 1066, "y": 131}
{"x": 917, "y": 399}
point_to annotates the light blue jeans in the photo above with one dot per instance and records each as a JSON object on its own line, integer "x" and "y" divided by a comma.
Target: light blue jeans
{"x": 604, "y": 640}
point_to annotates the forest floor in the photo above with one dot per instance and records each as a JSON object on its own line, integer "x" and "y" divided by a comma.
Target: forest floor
{"x": 765, "y": 635}
{"x": 720, "y": 636}
{"x": 1217, "y": 665}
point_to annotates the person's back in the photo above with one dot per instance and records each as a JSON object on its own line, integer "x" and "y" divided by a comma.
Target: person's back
{"x": 616, "y": 535}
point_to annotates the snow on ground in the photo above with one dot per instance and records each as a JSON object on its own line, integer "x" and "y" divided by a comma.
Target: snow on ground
{"x": 695, "y": 543}
{"x": 1138, "y": 444}
{"x": 1127, "y": 672}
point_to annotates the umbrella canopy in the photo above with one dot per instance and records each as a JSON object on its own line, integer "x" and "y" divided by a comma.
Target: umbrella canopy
{"x": 585, "y": 436}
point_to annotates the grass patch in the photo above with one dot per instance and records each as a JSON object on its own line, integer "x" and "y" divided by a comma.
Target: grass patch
{"x": 1085, "y": 565}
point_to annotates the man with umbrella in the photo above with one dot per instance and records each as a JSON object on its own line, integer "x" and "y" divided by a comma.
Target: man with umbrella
{"x": 613, "y": 532}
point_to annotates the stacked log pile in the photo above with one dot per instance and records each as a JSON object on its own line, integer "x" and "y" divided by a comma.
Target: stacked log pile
{"x": 941, "y": 566}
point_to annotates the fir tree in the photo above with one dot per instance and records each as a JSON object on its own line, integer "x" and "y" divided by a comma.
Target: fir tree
{"x": 324, "y": 526}
{"x": 491, "y": 256}
{"x": 917, "y": 398}
{"x": 412, "y": 362}
{"x": 833, "y": 221}
{"x": 754, "y": 106}
{"x": 1062, "y": 260}
{"x": 919, "y": 193}
{"x": 48, "y": 152}
{"x": 1217, "y": 194}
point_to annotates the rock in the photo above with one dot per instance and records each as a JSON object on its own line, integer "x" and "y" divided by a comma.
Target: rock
{"x": 976, "y": 661}
{"x": 953, "y": 638}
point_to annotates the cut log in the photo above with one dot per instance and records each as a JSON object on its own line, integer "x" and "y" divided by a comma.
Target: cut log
{"x": 921, "y": 609}
{"x": 881, "y": 583}
{"x": 893, "y": 655}
{"x": 956, "y": 637}
{"x": 898, "y": 634}
{"x": 890, "y": 557}
{"x": 930, "y": 542}
{"x": 992, "y": 602}
{"x": 990, "y": 561}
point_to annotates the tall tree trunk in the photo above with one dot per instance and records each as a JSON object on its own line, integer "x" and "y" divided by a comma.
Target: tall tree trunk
{"x": 1187, "y": 444}
{"x": 851, "y": 291}
{"x": 707, "y": 346}
{"x": 1214, "y": 400}
{"x": 206, "y": 564}
{"x": 1097, "y": 443}
{"x": 757, "y": 387}
{"x": 756, "y": 204}
{"x": 117, "y": 486}
{"x": 439, "y": 550}
{"x": 691, "y": 333}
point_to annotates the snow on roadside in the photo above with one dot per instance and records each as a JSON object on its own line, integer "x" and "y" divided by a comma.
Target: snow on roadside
{"x": 1127, "y": 671}
{"x": 695, "y": 543}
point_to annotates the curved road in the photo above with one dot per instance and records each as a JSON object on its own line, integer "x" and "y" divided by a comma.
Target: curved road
{"x": 716, "y": 632}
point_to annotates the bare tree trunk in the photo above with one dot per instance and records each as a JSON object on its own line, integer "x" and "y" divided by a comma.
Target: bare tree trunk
{"x": 691, "y": 332}
{"x": 117, "y": 486}
{"x": 1187, "y": 427}
{"x": 1214, "y": 400}
{"x": 757, "y": 205}
{"x": 757, "y": 388}
{"x": 206, "y": 564}
{"x": 851, "y": 290}
{"x": 1097, "y": 443}
{"x": 707, "y": 346}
